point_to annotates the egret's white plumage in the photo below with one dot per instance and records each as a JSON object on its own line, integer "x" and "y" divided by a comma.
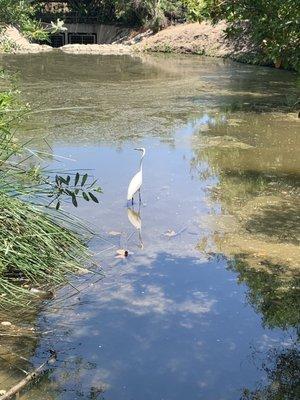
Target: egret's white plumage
{"x": 136, "y": 182}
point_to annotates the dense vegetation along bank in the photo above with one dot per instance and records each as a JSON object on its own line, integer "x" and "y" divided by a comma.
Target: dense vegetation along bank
{"x": 37, "y": 246}
{"x": 265, "y": 32}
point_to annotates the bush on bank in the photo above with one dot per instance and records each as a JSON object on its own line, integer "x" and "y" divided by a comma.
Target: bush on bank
{"x": 272, "y": 25}
{"x": 21, "y": 13}
{"x": 38, "y": 245}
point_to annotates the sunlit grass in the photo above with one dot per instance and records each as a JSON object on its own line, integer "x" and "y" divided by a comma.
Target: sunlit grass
{"x": 34, "y": 250}
{"x": 39, "y": 246}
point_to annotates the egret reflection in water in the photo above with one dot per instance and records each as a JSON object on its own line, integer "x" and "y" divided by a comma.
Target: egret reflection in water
{"x": 134, "y": 218}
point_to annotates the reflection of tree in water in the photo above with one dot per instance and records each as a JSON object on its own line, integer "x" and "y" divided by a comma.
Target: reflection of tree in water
{"x": 257, "y": 187}
{"x": 272, "y": 292}
{"x": 277, "y": 222}
{"x": 283, "y": 377}
{"x": 257, "y": 184}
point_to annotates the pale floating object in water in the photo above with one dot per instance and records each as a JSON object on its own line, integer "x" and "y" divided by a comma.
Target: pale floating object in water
{"x": 6, "y": 323}
{"x": 42, "y": 293}
{"x": 169, "y": 233}
{"x": 114, "y": 233}
{"x": 37, "y": 291}
{"x": 122, "y": 253}
{"x": 83, "y": 271}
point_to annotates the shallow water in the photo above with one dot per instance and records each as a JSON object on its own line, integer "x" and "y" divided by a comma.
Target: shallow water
{"x": 206, "y": 306}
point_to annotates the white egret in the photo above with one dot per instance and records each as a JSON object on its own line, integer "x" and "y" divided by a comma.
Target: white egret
{"x": 136, "y": 182}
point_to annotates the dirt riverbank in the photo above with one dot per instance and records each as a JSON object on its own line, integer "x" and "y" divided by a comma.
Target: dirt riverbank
{"x": 189, "y": 38}
{"x": 199, "y": 38}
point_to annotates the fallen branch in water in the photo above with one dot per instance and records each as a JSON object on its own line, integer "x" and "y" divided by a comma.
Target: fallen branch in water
{"x": 18, "y": 335}
{"x": 29, "y": 378}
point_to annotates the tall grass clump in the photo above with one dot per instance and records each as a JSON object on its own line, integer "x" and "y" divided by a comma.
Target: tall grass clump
{"x": 39, "y": 244}
{"x": 34, "y": 251}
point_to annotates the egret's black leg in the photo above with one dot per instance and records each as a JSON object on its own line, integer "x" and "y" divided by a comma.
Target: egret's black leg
{"x": 140, "y": 199}
{"x": 132, "y": 201}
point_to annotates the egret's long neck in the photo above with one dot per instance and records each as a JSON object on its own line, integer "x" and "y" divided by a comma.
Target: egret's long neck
{"x": 141, "y": 162}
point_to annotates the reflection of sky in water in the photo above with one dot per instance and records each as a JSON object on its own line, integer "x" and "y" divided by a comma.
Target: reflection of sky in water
{"x": 168, "y": 322}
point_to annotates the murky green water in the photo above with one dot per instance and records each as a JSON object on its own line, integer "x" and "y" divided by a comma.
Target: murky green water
{"x": 207, "y": 304}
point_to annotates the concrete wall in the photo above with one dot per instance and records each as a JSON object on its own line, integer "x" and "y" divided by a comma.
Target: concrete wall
{"x": 105, "y": 33}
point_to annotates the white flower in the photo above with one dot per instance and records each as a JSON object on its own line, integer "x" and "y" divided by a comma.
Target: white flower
{"x": 58, "y": 26}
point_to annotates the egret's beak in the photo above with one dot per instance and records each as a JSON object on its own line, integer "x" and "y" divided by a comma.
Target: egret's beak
{"x": 138, "y": 149}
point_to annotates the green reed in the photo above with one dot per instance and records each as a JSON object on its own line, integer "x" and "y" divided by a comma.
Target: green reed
{"x": 39, "y": 245}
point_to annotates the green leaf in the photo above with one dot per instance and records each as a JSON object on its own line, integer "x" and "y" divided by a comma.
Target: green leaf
{"x": 62, "y": 180}
{"x": 94, "y": 198}
{"x": 85, "y": 196}
{"x": 77, "y": 176}
{"x": 74, "y": 200}
{"x": 84, "y": 178}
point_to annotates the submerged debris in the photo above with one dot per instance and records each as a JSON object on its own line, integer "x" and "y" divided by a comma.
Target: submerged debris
{"x": 15, "y": 390}
{"x": 170, "y": 233}
{"x": 122, "y": 253}
{"x": 114, "y": 233}
{"x": 6, "y": 323}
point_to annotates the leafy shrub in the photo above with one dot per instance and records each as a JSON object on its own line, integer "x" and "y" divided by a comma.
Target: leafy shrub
{"x": 272, "y": 25}
{"x": 14, "y": 11}
{"x": 198, "y": 10}
{"x": 153, "y": 13}
{"x": 34, "y": 30}
{"x": 21, "y": 13}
